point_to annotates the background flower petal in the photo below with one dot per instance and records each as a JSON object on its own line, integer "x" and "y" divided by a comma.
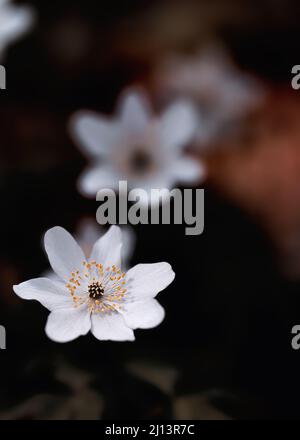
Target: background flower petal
{"x": 94, "y": 134}
{"x": 160, "y": 181}
{"x": 188, "y": 170}
{"x": 16, "y": 20}
{"x": 134, "y": 111}
{"x": 97, "y": 177}
{"x": 178, "y": 125}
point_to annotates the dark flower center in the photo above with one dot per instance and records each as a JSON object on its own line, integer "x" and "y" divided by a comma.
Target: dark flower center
{"x": 96, "y": 291}
{"x": 140, "y": 161}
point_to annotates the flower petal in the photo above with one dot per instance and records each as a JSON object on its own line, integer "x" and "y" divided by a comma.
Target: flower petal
{"x": 15, "y": 21}
{"x": 142, "y": 191}
{"x": 107, "y": 250}
{"x": 134, "y": 111}
{"x": 95, "y": 134}
{"x": 64, "y": 325}
{"x": 178, "y": 125}
{"x": 65, "y": 255}
{"x": 146, "y": 280}
{"x": 144, "y": 314}
{"x": 87, "y": 233}
{"x": 51, "y": 294}
{"x": 96, "y": 178}
{"x": 111, "y": 328}
{"x": 188, "y": 170}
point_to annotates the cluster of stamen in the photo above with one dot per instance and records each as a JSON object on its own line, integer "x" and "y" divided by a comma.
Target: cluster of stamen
{"x": 96, "y": 290}
{"x": 105, "y": 289}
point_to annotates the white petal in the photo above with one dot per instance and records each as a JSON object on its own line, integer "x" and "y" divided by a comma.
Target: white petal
{"x": 143, "y": 189}
{"x": 147, "y": 280}
{"x": 144, "y": 314}
{"x": 134, "y": 112}
{"x": 89, "y": 232}
{"x": 111, "y": 327}
{"x": 96, "y": 178}
{"x": 178, "y": 125}
{"x": 64, "y": 254}
{"x": 94, "y": 134}
{"x": 51, "y": 294}
{"x": 15, "y": 21}
{"x": 107, "y": 250}
{"x": 187, "y": 170}
{"x": 64, "y": 325}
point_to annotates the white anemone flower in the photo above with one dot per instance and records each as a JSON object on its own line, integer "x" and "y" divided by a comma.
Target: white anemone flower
{"x": 94, "y": 294}
{"x": 222, "y": 93}
{"x": 135, "y": 146}
{"x": 14, "y": 21}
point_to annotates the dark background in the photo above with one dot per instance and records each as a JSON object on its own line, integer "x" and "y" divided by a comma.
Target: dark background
{"x": 230, "y": 311}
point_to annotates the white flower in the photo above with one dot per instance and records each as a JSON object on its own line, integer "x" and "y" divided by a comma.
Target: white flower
{"x": 135, "y": 146}
{"x": 14, "y": 21}
{"x": 222, "y": 93}
{"x": 94, "y": 294}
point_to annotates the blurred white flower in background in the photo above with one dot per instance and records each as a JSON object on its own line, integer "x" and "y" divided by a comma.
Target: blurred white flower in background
{"x": 222, "y": 93}
{"x": 137, "y": 147}
{"x": 15, "y": 20}
{"x": 93, "y": 294}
